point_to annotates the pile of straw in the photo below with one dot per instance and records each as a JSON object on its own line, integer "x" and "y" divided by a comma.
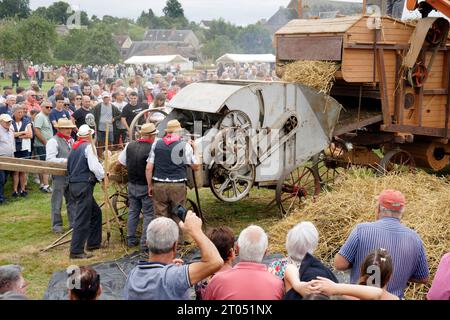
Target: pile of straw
{"x": 315, "y": 74}
{"x": 336, "y": 213}
{"x": 115, "y": 169}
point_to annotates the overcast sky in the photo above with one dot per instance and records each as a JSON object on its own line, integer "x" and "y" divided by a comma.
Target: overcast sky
{"x": 236, "y": 11}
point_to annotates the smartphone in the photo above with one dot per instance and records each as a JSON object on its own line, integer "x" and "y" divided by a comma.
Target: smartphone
{"x": 181, "y": 212}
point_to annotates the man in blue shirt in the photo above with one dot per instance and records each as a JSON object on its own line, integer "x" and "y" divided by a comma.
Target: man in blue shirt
{"x": 403, "y": 244}
{"x": 58, "y": 112}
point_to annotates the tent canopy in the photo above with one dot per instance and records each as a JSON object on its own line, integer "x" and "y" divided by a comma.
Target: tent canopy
{"x": 233, "y": 58}
{"x": 156, "y": 59}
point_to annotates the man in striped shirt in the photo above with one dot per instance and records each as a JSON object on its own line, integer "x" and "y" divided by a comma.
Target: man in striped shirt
{"x": 403, "y": 244}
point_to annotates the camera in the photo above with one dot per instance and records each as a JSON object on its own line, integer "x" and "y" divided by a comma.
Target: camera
{"x": 181, "y": 212}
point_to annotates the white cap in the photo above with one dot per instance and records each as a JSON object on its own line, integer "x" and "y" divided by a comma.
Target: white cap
{"x": 149, "y": 85}
{"x": 106, "y": 94}
{"x": 5, "y": 117}
{"x": 85, "y": 131}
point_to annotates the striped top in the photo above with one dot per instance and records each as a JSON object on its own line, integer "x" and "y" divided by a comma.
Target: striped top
{"x": 403, "y": 244}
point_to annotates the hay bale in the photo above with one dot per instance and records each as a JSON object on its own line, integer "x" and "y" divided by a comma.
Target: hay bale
{"x": 336, "y": 213}
{"x": 118, "y": 173}
{"x": 315, "y": 74}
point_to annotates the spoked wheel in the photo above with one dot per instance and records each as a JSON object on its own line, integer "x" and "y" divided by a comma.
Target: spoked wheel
{"x": 119, "y": 203}
{"x": 231, "y": 186}
{"x": 330, "y": 164}
{"x": 397, "y": 162}
{"x": 295, "y": 187}
{"x": 150, "y": 115}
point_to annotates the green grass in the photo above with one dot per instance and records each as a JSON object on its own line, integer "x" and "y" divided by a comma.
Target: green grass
{"x": 25, "y": 229}
{"x": 26, "y": 84}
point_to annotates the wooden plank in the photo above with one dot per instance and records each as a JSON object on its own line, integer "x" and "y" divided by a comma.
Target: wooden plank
{"x": 361, "y": 124}
{"x": 16, "y": 167}
{"x": 435, "y": 91}
{"x": 447, "y": 107}
{"x": 324, "y": 48}
{"x": 432, "y": 132}
{"x": 383, "y": 88}
{"x": 31, "y": 162}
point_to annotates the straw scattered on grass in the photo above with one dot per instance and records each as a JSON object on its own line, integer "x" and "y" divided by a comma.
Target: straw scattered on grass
{"x": 336, "y": 213}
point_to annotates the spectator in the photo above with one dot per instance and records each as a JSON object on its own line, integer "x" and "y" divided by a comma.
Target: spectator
{"x": 86, "y": 89}
{"x": 7, "y": 148}
{"x": 223, "y": 239}
{"x": 239, "y": 282}
{"x": 40, "y": 77}
{"x": 43, "y": 131}
{"x": 9, "y": 102}
{"x": 105, "y": 113}
{"x": 58, "y": 91}
{"x": 31, "y": 73}
{"x": 180, "y": 81}
{"x": 73, "y": 86}
{"x": 20, "y": 94}
{"x": 440, "y": 289}
{"x": 31, "y": 102}
{"x": 159, "y": 103}
{"x": 76, "y": 102}
{"x": 15, "y": 78}
{"x": 7, "y": 90}
{"x": 120, "y": 135}
{"x": 148, "y": 92}
{"x": 12, "y": 284}
{"x": 22, "y": 133}
{"x": 90, "y": 287}
{"x": 79, "y": 116}
{"x": 58, "y": 149}
{"x": 376, "y": 271}
{"x": 97, "y": 94}
{"x": 131, "y": 110}
{"x": 58, "y": 82}
{"x": 303, "y": 267}
{"x": 58, "y": 112}
{"x": 404, "y": 244}
{"x": 163, "y": 277}
{"x": 68, "y": 107}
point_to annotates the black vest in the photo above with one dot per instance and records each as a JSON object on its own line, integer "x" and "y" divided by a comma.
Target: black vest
{"x": 77, "y": 166}
{"x": 165, "y": 167}
{"x": 17, "y": 129}
{"x": 137, "y": 155}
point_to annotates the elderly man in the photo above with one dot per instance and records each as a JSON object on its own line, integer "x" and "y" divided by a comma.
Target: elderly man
{"x": 57, "y": 91}
{"x": 7, "y": 148}
{"x": 43, "y": 131}
{"x": 404, "y": 245}
{"x": 12, "y": 284}
{"x": 31, "y": 102}
{"x": 134, "y": 156}
{"x": 105, "y": 113}
{"x": 166, "y": 170}
{"x": 58, "y": 149}
{"x": 84, "y": 171}
{"x": 249, "y": 279}
{"x": 163, "y": 277}
{"x": 9, "y": 102}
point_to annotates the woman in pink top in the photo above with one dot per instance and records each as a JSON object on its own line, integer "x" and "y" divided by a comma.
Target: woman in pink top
{"x": 440, "y": 289}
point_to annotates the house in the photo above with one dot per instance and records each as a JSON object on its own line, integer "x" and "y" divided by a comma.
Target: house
{"x": 123, "y": 43}
{"x": 167, "y": 42}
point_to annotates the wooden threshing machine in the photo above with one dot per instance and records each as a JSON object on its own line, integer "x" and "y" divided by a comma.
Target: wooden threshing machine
{"x": 393, "y": 83}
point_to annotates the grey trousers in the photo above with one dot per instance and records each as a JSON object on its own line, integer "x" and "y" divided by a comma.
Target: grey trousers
{"x": 395, "y": 8}
{"x": 138, "y": 201}
{"x": 60, "y": 187}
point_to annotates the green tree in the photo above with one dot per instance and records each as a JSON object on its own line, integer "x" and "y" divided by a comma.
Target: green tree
{"x": 59, "y": 12}
{"x": 173, "y": 9}
{"x": 146, "y": 18}
{"x": 68, "y": 47}
{"x": 255, "y": 39}
{"x": 218, "y": 46}
{"x": 222, "y": 28}
{"x": 99, "y": 47}
{"x": 14, "y": 8}
{"x": 28, "y": 39}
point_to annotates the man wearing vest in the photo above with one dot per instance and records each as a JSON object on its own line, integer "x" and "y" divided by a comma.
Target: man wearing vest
{"x": 57, "y": 151}
{"x": 166, "y": 170}
{"x": 135, "y": 156}
{"x": 84, "y": 171}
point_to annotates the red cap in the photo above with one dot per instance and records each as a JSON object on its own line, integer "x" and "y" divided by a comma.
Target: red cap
{"x": 392, "y": 199}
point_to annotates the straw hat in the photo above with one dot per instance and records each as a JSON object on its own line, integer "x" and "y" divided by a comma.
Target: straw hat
{"x": 149, "y": 129}
{"x": 85, "y": 131}
{"x": 173, "y": 126}
{"x": 65, "y": 124}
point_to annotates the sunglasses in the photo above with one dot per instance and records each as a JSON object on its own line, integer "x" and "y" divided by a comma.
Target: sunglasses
{"x": 48, "y": 107}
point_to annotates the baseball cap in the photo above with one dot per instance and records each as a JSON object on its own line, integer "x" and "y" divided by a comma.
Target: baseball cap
{"x": 106, "y": 94}
{"x": 5, "y": 117}
{"x": 392, "y": 199}
{"x": 149, "y": 85}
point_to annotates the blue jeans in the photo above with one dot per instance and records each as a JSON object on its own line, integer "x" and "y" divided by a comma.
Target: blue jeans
{"x": 2, "y": 185}
{"x": 101, "y": 136}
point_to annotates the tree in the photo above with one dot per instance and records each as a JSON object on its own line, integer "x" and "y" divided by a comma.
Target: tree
{"x": 173, "y": 9}
{"x": 146, "y": 18}
{"x": 68, "y": 47}
{"x": 221, "y": 27}
{"x": 27, "y": 39}
{"x": 14, "y": 8}
{"x": 255, "y": 39}
{"x": 59, "y": 12}
{"x": 218, "y": 46}
{"x": 99, "y": 47}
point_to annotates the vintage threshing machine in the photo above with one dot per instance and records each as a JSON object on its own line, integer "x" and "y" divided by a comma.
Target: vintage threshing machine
{"x": 254, "y": 134}
{"x": 393, "y": 83}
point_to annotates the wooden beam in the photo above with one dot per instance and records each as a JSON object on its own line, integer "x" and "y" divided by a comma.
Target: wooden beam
{"x": 447, "y": 107}
{"x": 383, "y": 87}
{"x": 300, "y": 9}
{"x": 31, "y": 162}
{"x": 16, "y": 167}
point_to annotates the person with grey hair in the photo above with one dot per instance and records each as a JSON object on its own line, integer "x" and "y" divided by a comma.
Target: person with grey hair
{"x": 404, "y": 245}
{"x": 57, "y": 91}
{"x": 163, "y": 277}
{"x": 12, "y": 284}
{"x": 239, "y": 282}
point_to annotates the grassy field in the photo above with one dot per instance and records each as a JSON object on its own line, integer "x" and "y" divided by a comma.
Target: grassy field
{"x": 25, "y": 229}
{"x": 26, "y": 83}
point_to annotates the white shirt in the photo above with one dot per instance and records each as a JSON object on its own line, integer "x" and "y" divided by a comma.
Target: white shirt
{"x": 94, "y": 165}
{"x": 123, "y": 156}
{"x": 51, "y": 149}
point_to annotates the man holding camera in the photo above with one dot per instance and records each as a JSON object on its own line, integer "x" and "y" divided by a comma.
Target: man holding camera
{"x": 166, "y": 170}
{"x": 134, "y": 156}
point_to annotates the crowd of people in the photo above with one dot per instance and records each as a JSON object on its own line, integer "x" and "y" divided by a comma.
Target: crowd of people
{"x": 383, "y": 256}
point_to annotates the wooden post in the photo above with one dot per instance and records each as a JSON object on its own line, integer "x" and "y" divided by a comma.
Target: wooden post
{"x": 105, "y": 186}
{"x": 300, "y": 9}
{"x": 364, "y": 9}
